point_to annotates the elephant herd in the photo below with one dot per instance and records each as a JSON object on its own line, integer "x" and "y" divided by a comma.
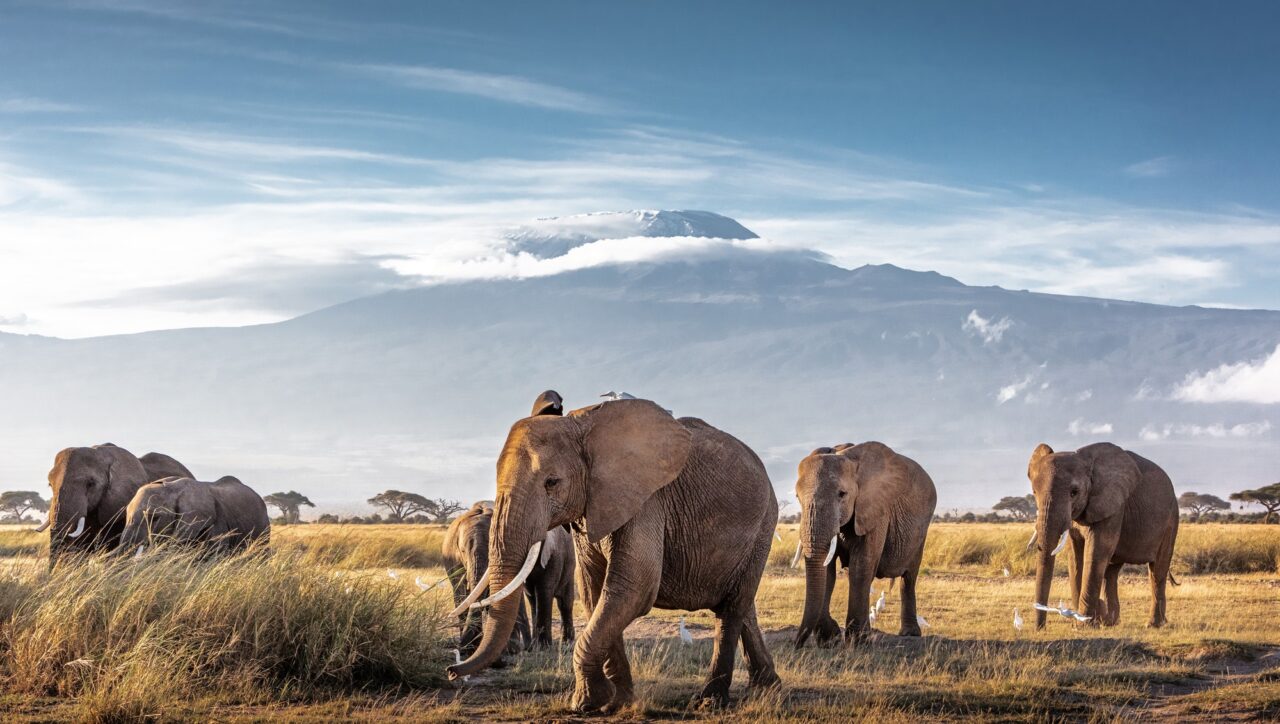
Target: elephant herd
{"x": 631, "y": 509}
{"x": 673, "y": 513}
{"x": 105, "y": 498}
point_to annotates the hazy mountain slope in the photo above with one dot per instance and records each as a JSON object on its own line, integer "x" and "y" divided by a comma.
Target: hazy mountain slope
{"x": 416, "y": 389}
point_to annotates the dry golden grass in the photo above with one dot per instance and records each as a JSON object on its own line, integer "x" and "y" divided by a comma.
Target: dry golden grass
{"x": 172, "y": 637}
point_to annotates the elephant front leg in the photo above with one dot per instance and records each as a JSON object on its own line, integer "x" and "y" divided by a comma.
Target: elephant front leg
{"x": 1098, "y": 549}
{"x": 857, "y": 623}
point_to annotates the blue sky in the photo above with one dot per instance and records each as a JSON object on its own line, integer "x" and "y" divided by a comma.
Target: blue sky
{"x": 152, "y": 154}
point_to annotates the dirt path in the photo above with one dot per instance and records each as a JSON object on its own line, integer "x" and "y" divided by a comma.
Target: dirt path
{"x": 1192, "y": 699}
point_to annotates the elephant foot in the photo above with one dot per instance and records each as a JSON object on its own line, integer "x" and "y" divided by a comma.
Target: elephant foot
{"x": 709, "y": 702}
{"x": 1157, "y": 623}
{"x": 623, "y": 697}
{"x": 910, "y": 631}
{"x": 828, "y": 632}
{"x": 591, "y": 697}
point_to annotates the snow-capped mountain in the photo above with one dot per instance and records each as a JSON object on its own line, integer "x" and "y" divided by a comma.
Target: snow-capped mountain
{"x": 551, "y": 237}
{"x": 416, "y": 389}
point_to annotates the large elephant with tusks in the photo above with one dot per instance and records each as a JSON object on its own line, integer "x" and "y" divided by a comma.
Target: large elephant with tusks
{"x": 668, "y": 513}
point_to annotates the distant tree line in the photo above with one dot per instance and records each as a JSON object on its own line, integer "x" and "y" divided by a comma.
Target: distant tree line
{"x": 399, "y": 507}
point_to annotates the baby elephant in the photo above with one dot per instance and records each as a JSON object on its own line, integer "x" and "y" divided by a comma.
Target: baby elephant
{"x": 225, "y": 514}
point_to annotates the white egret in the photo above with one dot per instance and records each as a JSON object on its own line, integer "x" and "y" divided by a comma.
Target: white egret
{"x": 686, "y": 638}
{"x": 1017, "y": 619}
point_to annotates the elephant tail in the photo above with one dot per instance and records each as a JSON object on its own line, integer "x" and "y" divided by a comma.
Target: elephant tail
{"x": 1173, "y": 580}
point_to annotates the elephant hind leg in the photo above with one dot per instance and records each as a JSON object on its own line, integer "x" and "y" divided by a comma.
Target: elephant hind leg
{"x": 728, "y": 632}
{"x": 759, "y": 660}
{"x": 1110, "y": 609}
{"x": 910, "y": 615}
{"x": 1158, "y": 570}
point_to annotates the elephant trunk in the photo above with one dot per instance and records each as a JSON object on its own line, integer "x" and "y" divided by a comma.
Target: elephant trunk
{"x": 514, "y": 544}
{"x": 1050, "y": 529}
{"x": 67, "y": 514}
{"x": 815, "y": 598}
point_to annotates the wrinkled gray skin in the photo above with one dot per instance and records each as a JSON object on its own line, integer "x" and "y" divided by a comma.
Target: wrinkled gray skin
{"x": 160, "y": 466}
{"x": 94, "y": 483}
{"x": 1119, "y": 508}
{"x": 551, "y": 581}
{"x": 466, "y": 557}
{"x": 668, "y": 513}
{"x": 225, "y": 515}
{"x": 879, "y": 505}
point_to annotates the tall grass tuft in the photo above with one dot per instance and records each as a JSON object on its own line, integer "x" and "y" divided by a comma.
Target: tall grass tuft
{"x": 364, "y": 546}
{"x": 134, "y": 639}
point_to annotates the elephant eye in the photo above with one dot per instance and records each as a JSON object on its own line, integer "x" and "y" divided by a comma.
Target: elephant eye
{"x": 552, "y": 482}
{"x": 1074, "y": 491}
{"x": 842, "y": 494}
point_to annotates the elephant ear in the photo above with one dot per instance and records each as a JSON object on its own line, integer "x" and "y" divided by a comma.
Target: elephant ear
{"x": 195, "y": 507}
{"x": 633, "y": 448}
{"x": 548, "y": 403}
{"x": 879, "y": 478}
{"x": 1113, "y": 475}
{"x": 1041, "y": 452}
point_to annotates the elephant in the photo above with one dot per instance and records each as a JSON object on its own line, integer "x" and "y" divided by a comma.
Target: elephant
{"x": 160, "y": 466}
{"x": 465, "y": 554}
{"x": 869, "y": 508}
{"x": 225, "y": 515}
{"x": 91, "y": 488}
{"x": 668, "y": 513}
{"x": 1114, "y": 507}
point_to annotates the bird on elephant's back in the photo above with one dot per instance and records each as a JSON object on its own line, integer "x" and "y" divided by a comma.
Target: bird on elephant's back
{"x": 866, "y": 507}
{"x": 223, "y": 516}
{"x": 668, "y": 513}
{"x": 1107, "y": 507}
{"x": 91, "y": 488}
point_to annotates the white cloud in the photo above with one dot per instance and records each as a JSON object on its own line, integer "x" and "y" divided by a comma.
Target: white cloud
{"x": 1151, "y": 167}
{"x": 1010, "y": 392}
{"x": 1153, "y": 433}
{"x": 1257, "y": 381}
{"x": 990, "y": 331}
{"x": 1084, "y": 396}
{"x": 35, "y": 105}
{"x": 1078, "y": 426}
{"x": 505, "y": 88}
{"x": 14, "y": 320}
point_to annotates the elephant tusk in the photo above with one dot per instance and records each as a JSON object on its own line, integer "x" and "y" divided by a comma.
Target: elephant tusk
{"x": 141, "y": 550}
{"x": 79, "y": 529}
{"x": 1061, "y": 542}
{"x": 831, "y": 552}
{"x": 44, "y": 525}
{"x": 516, "y": 582}
{"x": 471, "y": 597}
{"x": 795, "y": 560}
{"x": 1032, "y": 541}
{"x": 545, "y": 558}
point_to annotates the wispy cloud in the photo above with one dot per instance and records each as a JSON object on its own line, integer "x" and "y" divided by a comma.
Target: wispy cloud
{"x": 1154, "y": 433}
{"x": 36, "y": 105}
{"x": 1151, "y": 168}
{"x": 989, "y": 330}
{"x": 493, "y": 86}
{"x": 1256, "y": 381}
{"x": 1080, "y": 426}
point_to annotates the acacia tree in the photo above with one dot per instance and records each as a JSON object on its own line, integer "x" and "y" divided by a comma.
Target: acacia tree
{"x": 401, "y": 505}
{"x": 1201, "y": 503}
{"x": 16, "y": 503}
{"x": 1022, "y": 508}
{"x": 1268, "y": 496}
{"x": 289, "y": 504}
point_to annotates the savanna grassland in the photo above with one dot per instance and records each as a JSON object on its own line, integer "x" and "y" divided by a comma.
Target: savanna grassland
{"x": 319, "y": 629}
